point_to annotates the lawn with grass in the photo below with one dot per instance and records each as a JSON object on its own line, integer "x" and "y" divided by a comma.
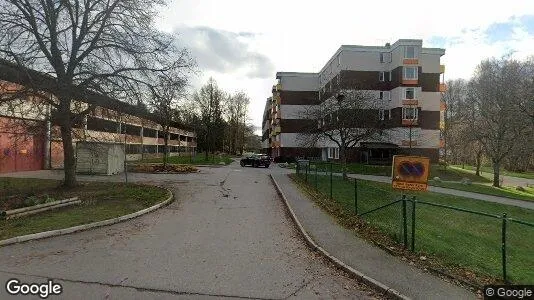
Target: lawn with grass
{"x": 508, "y": 192}
{"x": 455, "y": 238}
{"x": 199, "y": 159}
{"x": 100, "y": 201}
{"x": 448, "y": 174}
{"x": 503, "y": 172}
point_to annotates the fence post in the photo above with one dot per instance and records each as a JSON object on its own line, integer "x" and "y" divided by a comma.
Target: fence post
{"x": 414, "y": 201}
{"x": 331, "y": 181}
{"x": 316, "y": 166}
{"x": 404, "y": 222}
{"x": 356, "y": 196}
{"x": 503, "y": 247}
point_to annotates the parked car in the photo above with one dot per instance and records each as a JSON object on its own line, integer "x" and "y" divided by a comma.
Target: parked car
{"x": 256, "y": 160}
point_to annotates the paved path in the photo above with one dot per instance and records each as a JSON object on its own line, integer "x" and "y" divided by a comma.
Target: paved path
{"x": 476, "y": 196}
{"x": 507, "y": 180}
{"x": 226, "y": 236}
{"x": 357, "y": 253}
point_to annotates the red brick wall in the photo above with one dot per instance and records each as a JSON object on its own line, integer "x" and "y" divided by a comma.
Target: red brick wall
{"x": 19, "y": 150}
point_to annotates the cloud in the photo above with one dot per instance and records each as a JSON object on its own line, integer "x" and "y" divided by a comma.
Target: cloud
{"x": 225, "y": 52}
{"x": 500, "y": 31}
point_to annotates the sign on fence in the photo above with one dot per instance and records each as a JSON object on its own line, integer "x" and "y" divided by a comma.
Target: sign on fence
{"x": 410, "y": 172}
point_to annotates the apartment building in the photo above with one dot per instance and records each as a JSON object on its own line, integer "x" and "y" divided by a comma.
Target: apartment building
{"x": 404, "y": 77}
{"x": 30, "y": 139}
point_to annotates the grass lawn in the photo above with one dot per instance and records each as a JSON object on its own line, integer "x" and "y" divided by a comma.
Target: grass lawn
{"x": 449, "y": 174}
{"x": 100, "y": 201}
{"x": 454, "y": 238}
{"x": 489, "y": 169}
{"x": 199, "y": 159}
{"x": 509, "y": 192}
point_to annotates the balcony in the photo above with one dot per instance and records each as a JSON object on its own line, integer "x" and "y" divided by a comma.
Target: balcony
{"x": 411, "y": 102}
{"x": 409, "y": 122}
{"x": 442, "y": 87}
{"x": 410, "y": 61}
{"x": 278, "y": 87}
{"x": 441, "y": 69}
{"x": 410, "y": 81}
{"x": 277, "y": 129}
{"x": 408, "y": 144}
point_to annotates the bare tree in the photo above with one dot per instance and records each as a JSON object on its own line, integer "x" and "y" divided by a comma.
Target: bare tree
{"x": 497, "y": 121}
{"x": 75, "y": 50}
{"x": 208, "y": 102}
{"x": 346, "y": 120}
{"x": 164, "y": 102}
{"x": 236, "y": 110}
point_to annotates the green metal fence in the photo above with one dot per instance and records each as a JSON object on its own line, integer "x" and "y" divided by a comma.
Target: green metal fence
{"x": 493, "y": 243}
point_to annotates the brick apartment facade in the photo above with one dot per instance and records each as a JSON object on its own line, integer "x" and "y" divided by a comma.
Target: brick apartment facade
{"x": 406, "y": 78}
{"x": 32, "y": 141}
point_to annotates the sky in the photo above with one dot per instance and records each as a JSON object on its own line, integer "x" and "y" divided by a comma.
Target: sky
{"x": 243, "y": 43}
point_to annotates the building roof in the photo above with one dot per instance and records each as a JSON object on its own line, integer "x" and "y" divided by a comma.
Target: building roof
{"x": 11, "y": 72}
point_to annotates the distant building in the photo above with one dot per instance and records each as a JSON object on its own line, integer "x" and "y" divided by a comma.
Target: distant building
{"x": 406, "y": 78}
{"x": 30, "y": 139}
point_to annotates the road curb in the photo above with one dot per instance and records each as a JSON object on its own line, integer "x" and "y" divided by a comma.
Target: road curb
{"x": 390, "y": 292}
{"x": 57, "y": 232}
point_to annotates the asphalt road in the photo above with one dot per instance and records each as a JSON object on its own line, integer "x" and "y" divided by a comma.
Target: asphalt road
{"x": 226, "y": 236}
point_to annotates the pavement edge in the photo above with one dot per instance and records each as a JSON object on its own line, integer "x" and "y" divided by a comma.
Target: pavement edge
{"x": 315, "y": 247}
{"x": 57, "y": 232}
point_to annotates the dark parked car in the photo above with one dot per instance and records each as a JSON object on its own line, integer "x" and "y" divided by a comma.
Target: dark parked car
{"x": 256, "y": 161}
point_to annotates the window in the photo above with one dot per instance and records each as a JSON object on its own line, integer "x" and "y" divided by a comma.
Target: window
{"x": 409, "y": 113}
{"x": 333, "y": 153}
{"x": 389, "y": 114}
{"x": 409, "y": 52}
{"x": 410, "y": 73}
{"x": 385, "y": 95}
{"x": 381, "y": 76}
{"x": 409, "y": 93}
{"x": 381, "y": 113}
{"x": 385, "y": 57}
{"x": 389, "y": 75}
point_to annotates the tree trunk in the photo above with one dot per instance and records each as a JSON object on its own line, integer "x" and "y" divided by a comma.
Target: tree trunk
{"x": 69, "y": 161}
{"x": 496, "y": 169}
{"x": 166, "y": 148}
{"x": 343, "y": 156}
{"x": 479, "y": 161}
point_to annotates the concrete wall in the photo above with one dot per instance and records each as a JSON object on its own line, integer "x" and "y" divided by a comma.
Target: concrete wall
{"x": 298, "y": 82}
{"x": 293, "y": 111}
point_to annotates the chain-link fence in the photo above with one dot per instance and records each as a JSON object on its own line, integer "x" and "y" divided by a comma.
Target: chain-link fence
{"x": 478, "y": 235}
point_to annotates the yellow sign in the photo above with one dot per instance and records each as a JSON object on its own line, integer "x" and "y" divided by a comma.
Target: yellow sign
{"x": 410, "y": 172}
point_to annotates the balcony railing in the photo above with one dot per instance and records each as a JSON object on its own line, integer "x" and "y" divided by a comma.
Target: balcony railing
{"x": 410, "y": 102}
{"x": 409, "y": 122}
{"x": 409, "y": 81}
{"x": 410, "y": 61}
{"x": 442, "y": 69}
{"x": 408, "y": 143}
